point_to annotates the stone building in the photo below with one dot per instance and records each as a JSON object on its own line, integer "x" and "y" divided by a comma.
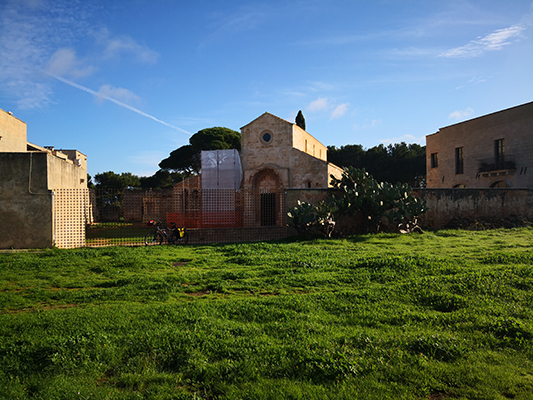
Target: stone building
{"x": 495, "y": 150}
{"x": 279, "y": 154}
{"x": 43, "y": 191}
{"x": 275, "y": 155}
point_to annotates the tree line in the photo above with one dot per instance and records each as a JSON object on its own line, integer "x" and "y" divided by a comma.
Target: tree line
{"x": 401, "y": 162}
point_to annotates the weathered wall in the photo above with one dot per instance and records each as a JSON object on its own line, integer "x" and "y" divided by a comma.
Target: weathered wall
{"x": 307, "y": 171}
{"x": 63, "y": 173}
{"x": 444, "y": 205}
{"x": 447, "y": 204}
{"x": 25, "y": 201}
{"x": 476, "y": 137}
{"x": 12, "y": 133}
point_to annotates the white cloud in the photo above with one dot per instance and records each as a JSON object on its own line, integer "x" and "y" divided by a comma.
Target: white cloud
{"x": 339, "y": 111}
{"x": 371, "y": 124}
{"x": 121, "y": 94}
{"x": 319, "y": 104}
{"x": 493, "y": 41}
{"x": 32, "y": 31}
{"x": 457, "y": 115}
{"x": 114, "y": 47}
{"x": 37, "y": 39}
{"x": 65, "y": 63}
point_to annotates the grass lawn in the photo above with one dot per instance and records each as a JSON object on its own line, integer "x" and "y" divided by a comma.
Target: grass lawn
{"x": 443, "y": 315}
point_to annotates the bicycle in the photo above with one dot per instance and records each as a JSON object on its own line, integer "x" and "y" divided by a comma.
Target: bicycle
{"x": 174, "y": 235}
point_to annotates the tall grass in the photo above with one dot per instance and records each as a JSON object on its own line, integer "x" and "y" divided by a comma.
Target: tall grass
{"x": 434, "y": 316}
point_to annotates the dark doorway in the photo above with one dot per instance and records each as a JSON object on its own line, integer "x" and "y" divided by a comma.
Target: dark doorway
{"x": 268, "y": 209}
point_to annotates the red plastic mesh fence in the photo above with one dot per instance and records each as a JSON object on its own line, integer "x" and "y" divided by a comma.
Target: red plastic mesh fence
{"x": 122, "y": 217}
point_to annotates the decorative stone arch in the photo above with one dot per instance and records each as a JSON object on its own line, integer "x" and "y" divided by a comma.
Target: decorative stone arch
{"x": 266, "y": 184}
{"x": 266, "y": 180}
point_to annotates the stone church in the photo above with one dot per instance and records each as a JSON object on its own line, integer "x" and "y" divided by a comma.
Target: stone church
{"x": 277, "y": 154}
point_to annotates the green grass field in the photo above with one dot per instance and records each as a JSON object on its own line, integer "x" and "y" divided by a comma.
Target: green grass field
{"x": 443, "y": 315}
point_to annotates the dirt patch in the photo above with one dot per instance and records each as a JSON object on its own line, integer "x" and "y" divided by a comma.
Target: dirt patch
{"x": 43, "y": 308}
{"x": 481, "y": 224}
{"x": 197, "y": 294}
{"x": 180, "y": 264}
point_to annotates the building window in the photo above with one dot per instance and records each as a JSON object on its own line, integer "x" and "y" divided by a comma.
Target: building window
{"x": 459, "y": 160}
{"x": 266, "y": 137}
{"x": 499, "y": 151}
{"x": 434, "y": 160}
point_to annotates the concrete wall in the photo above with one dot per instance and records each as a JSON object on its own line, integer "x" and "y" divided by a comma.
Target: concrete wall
{"x": 25, "y": 201}
{"x": 12, "y": 133}
{"x": 64, "y": 173}
{"x": 476, "y": 137}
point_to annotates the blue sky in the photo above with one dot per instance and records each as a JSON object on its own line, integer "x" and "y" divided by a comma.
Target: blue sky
{"x": 127, "y": 82}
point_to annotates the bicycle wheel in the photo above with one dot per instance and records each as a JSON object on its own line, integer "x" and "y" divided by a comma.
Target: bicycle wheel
{"x": 153, "y": 238}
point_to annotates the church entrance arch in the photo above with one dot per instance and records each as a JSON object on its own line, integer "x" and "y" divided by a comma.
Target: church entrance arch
{"x": 266, "y": 185}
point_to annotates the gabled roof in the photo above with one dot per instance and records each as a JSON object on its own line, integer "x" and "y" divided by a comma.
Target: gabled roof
{"x": 270, "y": 115}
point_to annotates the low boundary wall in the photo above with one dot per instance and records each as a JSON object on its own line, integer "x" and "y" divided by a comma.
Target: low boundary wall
{"x": 445, "y": 205}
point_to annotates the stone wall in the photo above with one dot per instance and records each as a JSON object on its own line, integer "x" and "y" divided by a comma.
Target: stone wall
{"x": 447, "y": 205}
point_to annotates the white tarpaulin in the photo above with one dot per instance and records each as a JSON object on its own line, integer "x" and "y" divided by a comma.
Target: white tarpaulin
{"x": 221, "y": 169}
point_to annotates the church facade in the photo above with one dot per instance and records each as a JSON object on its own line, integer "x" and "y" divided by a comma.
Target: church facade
{"x": 277, "y": 154}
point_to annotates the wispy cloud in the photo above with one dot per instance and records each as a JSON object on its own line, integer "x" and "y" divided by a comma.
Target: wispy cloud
{"x": 38, "y": 37}
{"x": 102, "y": 95}
{"x": 323, "y": 104}
{"x": 496, "y": 40}
{"x": 107, "y": 92}
{"x": 116, "y": 46}
{"x": 373, "y": 123}
{"x": 65, "y": 62}
{"x": 339, "y": 111}
{"x": 319, "y": 104}
{"x": 461, "y": 114}
{"x": 232, "y": 22}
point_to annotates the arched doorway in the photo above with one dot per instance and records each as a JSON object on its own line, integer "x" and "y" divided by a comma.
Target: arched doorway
{"x": 501, "y": 184}
{"x": 266, "y": 186}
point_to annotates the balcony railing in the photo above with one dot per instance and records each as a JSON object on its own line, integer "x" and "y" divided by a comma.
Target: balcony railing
{"x": 503, "y": 163}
